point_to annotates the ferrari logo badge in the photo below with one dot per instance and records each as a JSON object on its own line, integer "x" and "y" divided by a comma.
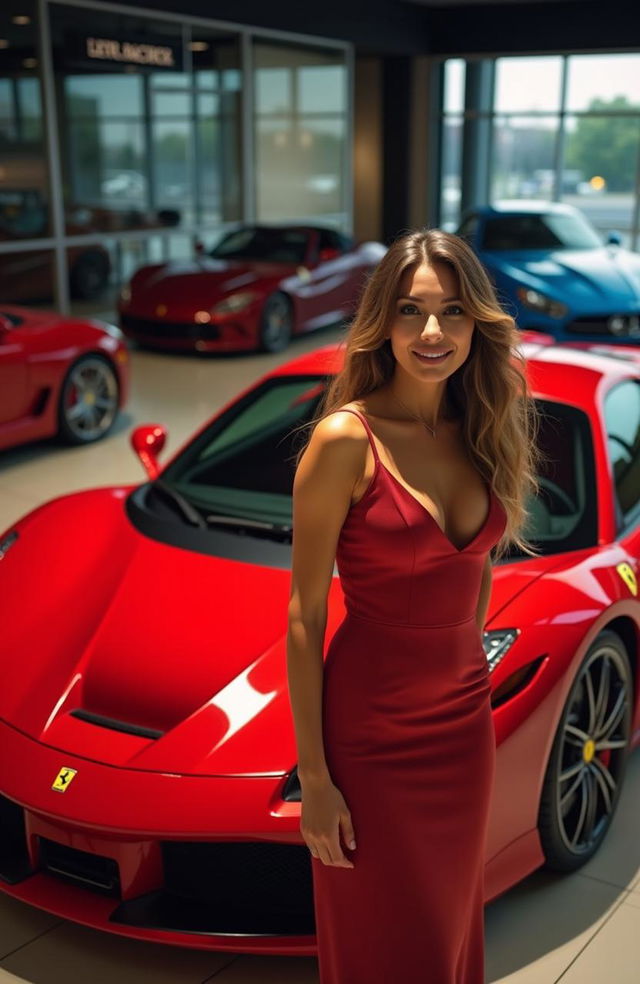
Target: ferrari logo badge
{"x": 161, "y": 310}
{"x": 629, "y": 578}
{"x": 63, "y": 780}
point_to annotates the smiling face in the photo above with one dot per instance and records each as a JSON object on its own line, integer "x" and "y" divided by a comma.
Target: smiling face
{"x": 430, "y": 321}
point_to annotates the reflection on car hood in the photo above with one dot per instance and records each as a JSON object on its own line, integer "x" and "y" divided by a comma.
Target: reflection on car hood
{"x": 590, "y": 275}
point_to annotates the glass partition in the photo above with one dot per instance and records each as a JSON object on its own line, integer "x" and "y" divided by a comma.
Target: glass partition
{"x": 300, "y": 97}
{"x": 149, "y": 125}
{"x": 24, "y": 176}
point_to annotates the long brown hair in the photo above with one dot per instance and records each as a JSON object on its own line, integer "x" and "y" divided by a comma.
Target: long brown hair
{"x": 490, "y": 390}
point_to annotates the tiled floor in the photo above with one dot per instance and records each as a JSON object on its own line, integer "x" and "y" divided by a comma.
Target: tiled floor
{"x": 578, "y": 929}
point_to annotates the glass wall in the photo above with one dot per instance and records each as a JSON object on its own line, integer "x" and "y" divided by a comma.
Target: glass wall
{"x": 152, "y": 145}
{"x": 149, "y": 126}
{"x": 564, "y": 128}
{"x": 25, "y": 274}
{"x": 300, "y": 99}
{"x": 450, "y": 191}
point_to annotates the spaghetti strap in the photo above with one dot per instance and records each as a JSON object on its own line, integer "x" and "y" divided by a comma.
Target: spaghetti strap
{"x": 365, "y": 423}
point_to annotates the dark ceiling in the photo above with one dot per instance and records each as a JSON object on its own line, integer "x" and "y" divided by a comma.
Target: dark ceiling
{"x": 445, "y": 27}
{"x": 478, "y": 3}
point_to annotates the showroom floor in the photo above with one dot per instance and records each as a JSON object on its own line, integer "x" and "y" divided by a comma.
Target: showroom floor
{"x": 581, "y": 929}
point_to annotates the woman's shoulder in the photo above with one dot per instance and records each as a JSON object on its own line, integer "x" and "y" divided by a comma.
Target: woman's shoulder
{"x": 342, "y": 422}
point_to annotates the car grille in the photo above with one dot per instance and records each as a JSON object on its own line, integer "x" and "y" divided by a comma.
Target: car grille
{"x": 629, "y": 326}
{"x": 233, "y": 888}
{"x": 14, "y": 858}
{"x": 168, "y": 329}
{"x": 92, "y": 871}
{"x": 243, "y": 888}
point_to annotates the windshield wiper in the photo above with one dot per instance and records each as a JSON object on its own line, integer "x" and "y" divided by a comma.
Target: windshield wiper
{"x": 186, "y": 510}
{"x": 257, "y": 526}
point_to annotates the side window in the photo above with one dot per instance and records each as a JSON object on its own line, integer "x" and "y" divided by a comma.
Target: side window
{"x": 563, "y": 515}
{"x": 622, "y": 419}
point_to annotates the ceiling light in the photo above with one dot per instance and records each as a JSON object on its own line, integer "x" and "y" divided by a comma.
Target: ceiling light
{"x": 4, "y": 43}
{"x": 29, "y": 62}
{"x": 199, "y": 46}
{"x": 21, "y": 19}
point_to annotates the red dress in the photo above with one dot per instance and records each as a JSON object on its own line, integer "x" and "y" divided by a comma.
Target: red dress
{"x": 409, "y": 742}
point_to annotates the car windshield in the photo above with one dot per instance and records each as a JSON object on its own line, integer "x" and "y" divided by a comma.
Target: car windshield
{"x": 264, "y": 243}
{"x": 243, "y": 465}
{"x": 554, "y": 230}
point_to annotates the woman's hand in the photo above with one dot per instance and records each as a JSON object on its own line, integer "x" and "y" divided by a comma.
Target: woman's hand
{"x": 324, "y": 811}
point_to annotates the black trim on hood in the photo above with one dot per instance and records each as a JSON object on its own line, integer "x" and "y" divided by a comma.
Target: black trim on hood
{"x": 213, "y": 542}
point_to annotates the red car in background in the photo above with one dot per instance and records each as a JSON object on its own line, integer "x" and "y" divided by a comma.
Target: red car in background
{"x": 148, "y": 780}
{"x": 58, "y": 375}
{"x": 260, "y": 286}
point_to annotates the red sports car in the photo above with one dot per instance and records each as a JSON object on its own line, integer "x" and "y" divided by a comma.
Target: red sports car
{"x": 259, "y": 286}
{"x": 65, "y": 376}
{"x": 147, "y": 755}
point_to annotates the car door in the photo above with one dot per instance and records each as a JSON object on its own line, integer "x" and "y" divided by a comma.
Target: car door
{"x": 328, "y": 292}
{"x": 14, "y": 372}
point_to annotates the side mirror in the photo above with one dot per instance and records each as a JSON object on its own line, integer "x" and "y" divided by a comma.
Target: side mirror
{"x": 614, "y": 238}
{"x": 148, "y": 441}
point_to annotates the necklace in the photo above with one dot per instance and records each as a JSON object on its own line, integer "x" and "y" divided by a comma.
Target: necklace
{"x": 421, "y": 420}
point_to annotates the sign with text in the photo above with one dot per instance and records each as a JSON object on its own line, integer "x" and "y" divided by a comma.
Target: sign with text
{"x": 99, "y": 51}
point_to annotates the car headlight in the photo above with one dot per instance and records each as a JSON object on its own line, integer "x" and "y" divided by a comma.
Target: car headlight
{"x": 541, "y": 302}
{"x": 497, "y": 643}
{"x": 235, "y": 302}
{"x": 125, "y": 294}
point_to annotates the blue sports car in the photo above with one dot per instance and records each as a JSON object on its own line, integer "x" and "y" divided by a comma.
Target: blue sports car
{"x": 554, "y": 273}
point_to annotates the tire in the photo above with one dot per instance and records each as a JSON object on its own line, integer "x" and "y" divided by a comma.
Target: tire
{"x": 276, "y": 323}
{"x": 583, "y": 779}
{"x": 89, "y": 275}
{"x": 89, "y": 400}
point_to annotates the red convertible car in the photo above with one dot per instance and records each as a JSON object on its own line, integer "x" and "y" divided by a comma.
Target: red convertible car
{"x": 147, "y": 755}
{"x": 259, "y": 286}
{"x": 59, "y": 375}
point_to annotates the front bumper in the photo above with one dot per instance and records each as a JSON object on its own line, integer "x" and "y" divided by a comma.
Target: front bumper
{"x": 592, "y": 328}
{"x": 209, "y": 862}
{"x": 226, "y": 334}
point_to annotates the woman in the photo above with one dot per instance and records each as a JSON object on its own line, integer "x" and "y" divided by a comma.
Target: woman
{"x": 418, "y": 466}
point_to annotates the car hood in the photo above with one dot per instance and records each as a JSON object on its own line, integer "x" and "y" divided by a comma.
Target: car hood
{"x": 110, "y": 625}
{"x": 131, "y": 652}
{"x": 204, "y": 280}
{"x": 591, "y": 277}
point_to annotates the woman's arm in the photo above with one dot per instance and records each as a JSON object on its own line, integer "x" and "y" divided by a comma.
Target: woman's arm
{"x": 485, "y": 593}
{"x": 326, "y": 476}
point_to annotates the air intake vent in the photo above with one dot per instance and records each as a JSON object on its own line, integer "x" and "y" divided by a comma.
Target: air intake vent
{"x": 114, "y": 725}
{"x": 14, "y": 859}
{"x": 90, "y": 871}
{"x": 228, "y": 889}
